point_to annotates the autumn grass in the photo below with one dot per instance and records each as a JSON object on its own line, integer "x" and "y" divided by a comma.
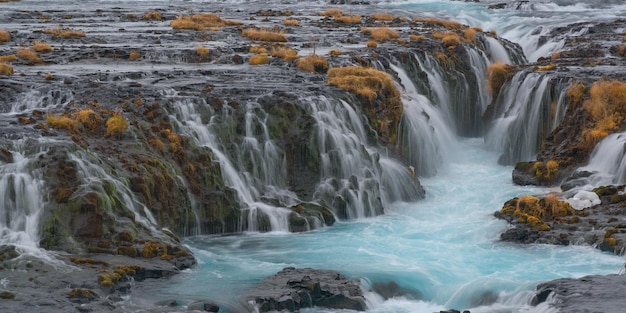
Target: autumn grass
{"x": 134, "y": 55}
{"x": 202, "y": 51}
{"x": 335, "y": 53}
{"x": 469, "y": 34}
{"x": 440, "y": 22}
{"x": 622, "y": 50}
{"x": 313, "y": 63}
{"x": 259, "y": 59}
{"x": 5, "y": 36}
{"x": 6, "y": 69}
{"x": 450, "y": 40}
{"x": 257, "y": 50}
{"x": 116, "y": 125}
{"x": 416, "y": 37}
{"x": 263, "y": 34}
{"x": 372, "y": 44}
{"x": 381, "y": 34}
{"x": 41, "y": 47}
{"x": 546, "y": 68}
{"x": 201, "y": 22}
{"x": 7, "y": 58}
{"x": 348, "y": 19}
{"x": 291, "y": 22}
{"x": 497, "y": 74}
{"x": 365, "y": 82}
{"x": 285, "y": 53}
{"x": 333, "y": 12}
{"x": 382, "y": 17}
{"x": 152, "y": 16}
{"x": 62, "y": 122}
{"x": 65, "y": 32}
{"x": 606, "y": 106}
{"x": 28, "y": 55}
{"x": 89, "y": 119}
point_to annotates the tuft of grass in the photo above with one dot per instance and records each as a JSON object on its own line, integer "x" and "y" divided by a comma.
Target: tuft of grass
{"x": 363, "y": 81}
{"x": 348, "y": 19}
{"x": 381, "y": 34}
{"x": 313, "y": 63}
{"x": 89, "y": 119}
{"x": 48, "y": 76}
{"x": 497, "y": 74}
{"x": 6, "y": 69}
{"x": 201, "y": 22}
{"x": 469, "y": 34}
{"x": 335, "y": 53}
{"x": 28, "y": 55}
{"x": 5, "y": 36}
{"x": 152, "y": 16}
{"x": 450, "y": 40}
{"x": 62, "y": 122}
{"x": 41, "y": 46}
{"x": 64, "y": 32}
{"x": 416, "y": 37}
{"x": 333, "y": 12}
{"x": 372, "y": 44}
{"x": 284, "y": 53}
{"x": 382, "y": 17}
{"x": 257, "y": 50}
{"x": 575, "y": 93}
{"x": 134, "y": 55}
{"x": 607, "y": 107}
{"x": 7, "y": 58}
{"x": 116, "y": 125}
{"x": 263, "y": 34}
{"x": 546, "y": 68}
{"x": 440, "y": 22}
{"x": 259, "y": 59}
{"x": 291, "y": 22}
{"x": 622, "y": 50}
{"x": 202, "y": 51}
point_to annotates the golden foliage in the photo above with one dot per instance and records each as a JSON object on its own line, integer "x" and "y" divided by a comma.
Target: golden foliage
{"x": 381, "y": 34}
{"x": 48, "y": 76}
{"x": 285, "y": 53}
{"x": 450, "y": 40}
{"x": 41, "y": 46}
{"x": 7, "y": 58}
{"x": 382, "y": 17}
{"x": 535, "y": 212}
{"x": 257, "y": 50}
{"x": 259, "y": 59}
{"x": 445, "y": 23}
{"x": 348, "y": 19}
{"x": 575, "y": 93}
{"x": 65, "y": 32}
{"x": 416, "y": 37}
{"x": 607, "y": 107}
{"x": 622, "y": 50}
{"x": 134, "y": 55}
{"x": 469, "y": 34}
{"x": 6, "y": 69}
{"x": 335, "y": 53}
{"x": 263, "y": 34}
{"x": 313, "y": 63}
{"x": 363, "y": 81}
{"x": 152, "y": 16}
{"x": 497, "y": 74}
{"x": 28, "y": 55}
{"x": 547, "y": 172}
{"x": 89, "y": 119}
{"x": 201, "y": 22}
{"x": 333, "y": 12}
{"x": 116, "y": 125}
{"x": 5, "y": 36}
{"x": 372, "y": 44}
{"x": 291, "y": 22}
{"x": 62, "y": 122}
{"x": 546, "y": 68}
{"x": 202, "y": 51}
{"x": 157, "y": 144}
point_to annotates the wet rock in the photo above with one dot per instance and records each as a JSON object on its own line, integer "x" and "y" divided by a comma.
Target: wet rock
{"x": 207, "y": 306}
{"x": 587, "y": 294}
{"x": 391, "y": 289}
{"x": 292, "y": 289}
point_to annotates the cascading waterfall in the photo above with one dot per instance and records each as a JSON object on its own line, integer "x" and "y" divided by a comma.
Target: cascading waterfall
{"x": 608, "y": 161}
{"x": 36, "y": 99}
{"x": 525, "y": 112}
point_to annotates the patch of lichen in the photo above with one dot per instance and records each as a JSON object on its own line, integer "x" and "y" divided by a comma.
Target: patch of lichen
{"x": 537, "y": 212}
{"x": 546, "y": 172}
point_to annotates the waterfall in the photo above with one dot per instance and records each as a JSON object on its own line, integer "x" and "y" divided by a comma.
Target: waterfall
{"x": 608, "y": 161}
{"x": 37, "y": 99}
{"x": 496, "y": 51}
{"x": 526, "y": 111}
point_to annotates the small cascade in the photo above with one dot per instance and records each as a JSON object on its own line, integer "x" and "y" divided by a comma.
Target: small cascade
{"x": 496, "y": 51}
{"x": 425, "y": 133}
{"x": 21, "y": 198}
{"x": 38, "y": 99}
{"x": 526, "y": 111}
{"x": 608, "y": 161}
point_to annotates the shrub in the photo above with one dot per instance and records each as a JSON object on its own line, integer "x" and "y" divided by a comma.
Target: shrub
{"x": 497, "y": 74}
{"x": 201, "y": 22}
{"x": 134, "y": 55}
{"x": 264, "y": 35}
{"x": 202, "y": 51}
{"x": 257, "y": 50}
{"x": 469, "y": 34}
{"x": 382, "y": 17}
{"x": 313, "y": 63}
{"x": 445, "y": 23}
{"x": 41, "y": 46}
{"x": 451, "y": 40}
{"x": 381, "y": 34}
{"x": 363, "y": 81}
{"x": 7, "y": 58}
{"x": 575, "y": 93}
{"x": 372, "y": 44}
{"x": 6, "y": 69}
{"x": 259, "y": 59}
{"x": 64, "y": 32}
{"x": 5, "y": 36}
{"x": 285, "y": 53}
{"x": 116, "y": 125}
{"x": 291, "y": 22}
{"x": 62, "y": 122}
{"x": 416, "y": 37}
{"x": 89, "y": 119}
{"x": 152, "y": 16}
{"x": 28, "y": 55}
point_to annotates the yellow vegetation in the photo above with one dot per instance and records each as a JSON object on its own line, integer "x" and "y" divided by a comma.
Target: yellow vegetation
{"x": 607, "y": 108}
{"x": 264, "y": 35}
{"x": 257, "y": 50}
{"x": 363, "y": 81}
{"x": 64, "y": 32}
{"x": 5, "y": 36}
{"x": 372, "y": 44}
{"x": 41, "y": 46}
{"x": 333, "y": 12}
{"x": 622, "y": 51}
{"x": 381, "y": 34}
{"x": 62, "y": 122}
{"x": 284, "y": 53}
{"x": 313, "y": 63}
{"x": 469, "y": 34}
{"x": 416, "y": 37}
{"x": 7, "y": 58}
{"x": 497, "y": 74}
{"x": 48, "y": 76}
{"x": 134, "y": 55}
{"x": 259, "y": 59}
{"x": 116, "y": 125}
{"x": 546, "y": 171}
{"x": 575, "y": 93}
{"x": 89, "y": 119}
{"x": 291, "y": 22}
{"x": 382, "y": 17}
{"x": 445, "y": 23}
{"x": 450, "y": 40}
{"x": 556, "y": 55}
{"x": 201, "y": 22}
{"x": 335, "y": 53}
{"x": 28, "y": 55}
{"x": 348, "y": 19}
{"x": 202, "y": 51}
{"x": 6, "y": 69}
{"x": 546, "y": 68}
{"x": 152, "y": 16}
{"x": 535, "y": 212}
{"x": 157, "y": 144}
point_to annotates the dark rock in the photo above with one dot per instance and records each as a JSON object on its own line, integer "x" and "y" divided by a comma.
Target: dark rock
{"x": 594, "y": 293}
{"x": 207, "y": 306}
{"x": 391, "y": 289}
{"x": 292, "y": 289}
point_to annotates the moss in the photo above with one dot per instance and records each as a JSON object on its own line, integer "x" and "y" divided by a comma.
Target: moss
{"x": 7, "y": 295}
{"x": 82, "y": 293}
{"x": 150, "y": 249}
{"x": 605, "y": 190}
{"x": 116, "y": 125}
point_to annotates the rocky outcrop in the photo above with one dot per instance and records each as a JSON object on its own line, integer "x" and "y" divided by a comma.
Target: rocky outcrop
{"x": 293, "y": 289}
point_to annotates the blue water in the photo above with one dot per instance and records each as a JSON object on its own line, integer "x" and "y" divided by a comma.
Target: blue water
{"x": 446, "y": 247}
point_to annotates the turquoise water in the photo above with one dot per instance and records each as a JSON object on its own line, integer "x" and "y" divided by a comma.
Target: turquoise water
{"x": 445, "y": 247}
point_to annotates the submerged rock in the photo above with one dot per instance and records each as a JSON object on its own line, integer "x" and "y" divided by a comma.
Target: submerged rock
{"x": 292, "y": 289}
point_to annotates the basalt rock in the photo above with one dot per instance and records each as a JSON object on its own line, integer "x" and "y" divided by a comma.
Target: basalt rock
{"x": 593, "y": 293}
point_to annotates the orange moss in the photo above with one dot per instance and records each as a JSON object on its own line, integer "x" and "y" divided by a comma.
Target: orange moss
{"x": 607, "y": 108}
{"x": 28, "y": 55}
{"x": 201, "y": 22}
{"x": 575, "y": 93}
{"x": 622, "y": 50}
{"x": 335, "y": 53}
{"x": 381, "y": 34}
{"x": 157, "y": 144}
{"x": 263, "y": 34}
{"x": 5, "y": 36}
{"x": 546, "y": 68}
{"x": 333, "y": 12}
{"x": 450, "y": 40}
{"x": 497, "y": 74}
{"x": 313, "y": 63}
{"x": 291, "y": 22}
{"x": 64, "y": 32}
{"x": 202, "y": 51}
{"x": 48, "y": 76}
{"x": 285, "y": 53}
{"x": 259, "y": 59}
{"x": 152, "y": 16}
{"x": 6, "y": 69}
{"x": 150, "y": 249}
{"x": 382, "y": 17}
